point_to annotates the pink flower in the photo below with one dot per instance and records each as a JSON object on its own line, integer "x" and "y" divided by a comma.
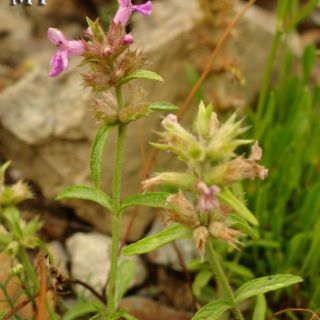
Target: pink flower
{"x": 207, "y": 199}
{"x": 126, "y": 8}
{"x": 66, "y": 49}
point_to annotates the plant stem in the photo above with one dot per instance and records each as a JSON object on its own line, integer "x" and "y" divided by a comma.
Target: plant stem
{"x": 223, "y": 281}
{"x": 116, "y": 188}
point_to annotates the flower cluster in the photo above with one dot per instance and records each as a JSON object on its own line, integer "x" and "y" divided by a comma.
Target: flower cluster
{"x": 15, "y": 233}
{"x": 105, "y": 47}
{"x": 203, "y": 202}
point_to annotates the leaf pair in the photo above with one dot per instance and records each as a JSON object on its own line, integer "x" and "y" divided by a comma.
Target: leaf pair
{"x": 256, "y": 287}
{"x": 150, "y": 199}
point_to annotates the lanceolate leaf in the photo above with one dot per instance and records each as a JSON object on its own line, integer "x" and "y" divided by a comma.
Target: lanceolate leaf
{"x": 150, "y": 199}
{"x": 212, "y": 311}
{"x": 86, "y": 193}
{"x": 128, "y": 316}
{"x": 141, "y": 74}
{"x": 163, "y": 106}
{"x": 126, "y": 273}
{"x": 158, "y": 240}
{"x": 260, "y": 310}
{"x": 81, "y": 309}
{"x": 241, "y": 224}
{"x": 230, "y": 199}
{"x": 265, "y": 284}
{"x": 97, "y": 149}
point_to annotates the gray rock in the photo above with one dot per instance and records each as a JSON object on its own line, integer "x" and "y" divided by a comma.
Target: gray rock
{"x": 38, "y": 108}
{"x": 167, "y": 255}
{"x": 90, "y": 260}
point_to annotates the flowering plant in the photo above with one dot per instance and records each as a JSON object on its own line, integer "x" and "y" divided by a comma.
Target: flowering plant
{"x": 206, "y": 206}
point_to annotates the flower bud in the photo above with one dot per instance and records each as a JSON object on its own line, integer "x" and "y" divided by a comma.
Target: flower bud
{"x": 128, "y": 39}
{"x": 15, "y": 194}
{"x": 182, "y": 211}
{"x": 180, "y": 180}
{"x": 220, "y": 231}
{"x": 133, "y": 112}
{"x": 206, "y": 122}
{"x": 16, "y": 270}
{"x": 223, "y": 142}
{"x": 105, "y": 109}
{"x": 200, "y": 236}
{"x": 241, "y": 168}
{"x": 180, "y": 141}
{"x": 21, "y": 192}
{"x": 12, "y": 248}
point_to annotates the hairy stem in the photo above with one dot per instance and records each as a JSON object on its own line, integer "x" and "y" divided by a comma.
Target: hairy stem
{"x": 116, "y": 188}
{"x": 223, "y": 281}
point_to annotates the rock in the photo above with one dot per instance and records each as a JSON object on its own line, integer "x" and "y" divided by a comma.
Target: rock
{"x": 15, "y": 30}
{"x": 37, "y": 108}
{"x": 167, "y": 255}
{"x": 147, "y": 309}
{"x": 90, "y": 260}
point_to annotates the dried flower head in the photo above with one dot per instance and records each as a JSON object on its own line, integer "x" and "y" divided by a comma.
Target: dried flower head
{"x": 200, "y": 236}
{"x": 220, "y": 231}
{"x": 182, "y": 211}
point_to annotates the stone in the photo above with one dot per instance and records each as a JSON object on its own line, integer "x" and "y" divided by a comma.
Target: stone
{"x": 167, "y": 255}
{"x": 90, "y": 260}
{"x": 147, "y": 309}
{"x": 15, "y": 30}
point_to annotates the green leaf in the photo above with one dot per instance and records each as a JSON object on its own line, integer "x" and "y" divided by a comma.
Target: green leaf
{"x": 200, "y": 281}
{"x": 158, "y": 240}
{"x": 141, "y": 74}
{"x": 260, "y": 310}
{"x": 96, "y": 157}
{"x": 311, "y": 260}
{"x": 239, "y": 223}
{"x": 126, "y": 274}
{"x": 86, "y": 193}
{"x": 82, "y": 309}
{"x": 239, "y": 269}
{"x": 309, "y": 60}
{"x": 163, "y": 107}
{"x": 128, "y": 316}
{"x": 231, "y": 200}
{"x": 212, "y": 311}
{"x": 150, "y": 199}
{"x": 265, "y": 284}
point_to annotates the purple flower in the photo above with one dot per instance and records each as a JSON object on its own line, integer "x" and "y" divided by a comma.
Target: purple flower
{"x": 126, "y": 8}
{"x": 207, "y": 199}
{"x": 66, "y": 49}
